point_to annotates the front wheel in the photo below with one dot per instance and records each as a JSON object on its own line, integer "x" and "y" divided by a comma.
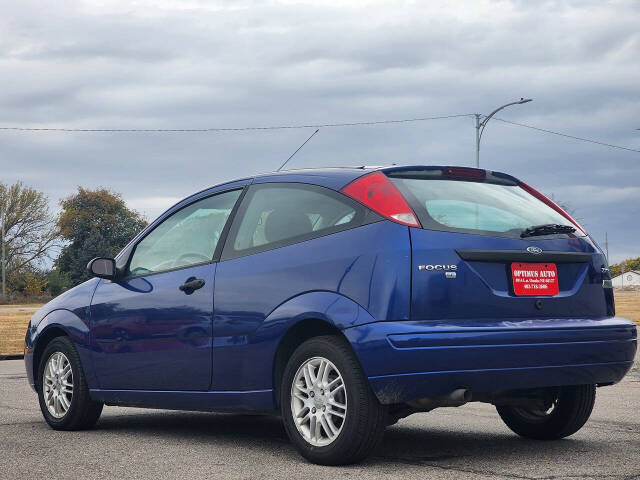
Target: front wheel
{"x": 329, "y": 411}
{"x": 569, "y": 409}
{"x": 62, "y": 388}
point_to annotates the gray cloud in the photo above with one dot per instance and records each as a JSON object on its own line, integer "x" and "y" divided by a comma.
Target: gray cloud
{"x": 218, "y": 64}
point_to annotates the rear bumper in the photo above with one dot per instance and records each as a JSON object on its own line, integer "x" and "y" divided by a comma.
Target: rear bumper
{"x": 409, "y": 360}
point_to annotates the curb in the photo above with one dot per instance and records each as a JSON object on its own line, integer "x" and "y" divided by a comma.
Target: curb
{"x": 19, "y": 356}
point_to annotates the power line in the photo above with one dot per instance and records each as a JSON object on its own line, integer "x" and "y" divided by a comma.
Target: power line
{"x": 230, "y": 129}
{"x": 566, "y": 135}
{"x": 300, "y": 126}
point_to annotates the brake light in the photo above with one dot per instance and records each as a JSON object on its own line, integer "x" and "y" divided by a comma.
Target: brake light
{"x": 540, "y": 196}
{"x": 378, "y": 193}
{"x": 462, "y": 172}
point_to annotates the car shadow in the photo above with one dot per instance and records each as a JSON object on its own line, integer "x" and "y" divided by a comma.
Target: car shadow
{"x": 197, "y": 425}
{"x": 403, "y": 444}
{"x": 429, "y": 445}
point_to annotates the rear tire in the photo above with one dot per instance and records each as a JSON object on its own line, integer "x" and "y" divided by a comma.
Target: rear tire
{"x": 62, "y": 388}
{"x": 570, "y": 411}
{"x": 337, "y": 440}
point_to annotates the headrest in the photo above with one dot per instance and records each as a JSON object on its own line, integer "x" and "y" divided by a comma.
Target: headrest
{"x": 283, "y": 223}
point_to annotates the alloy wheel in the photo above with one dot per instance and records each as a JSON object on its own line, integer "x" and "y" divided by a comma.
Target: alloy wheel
{"x": 57, "y": 384}
{"x": 318, "y": 401}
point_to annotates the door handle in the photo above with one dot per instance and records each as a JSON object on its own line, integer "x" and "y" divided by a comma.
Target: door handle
{"x": 192, "y": 284}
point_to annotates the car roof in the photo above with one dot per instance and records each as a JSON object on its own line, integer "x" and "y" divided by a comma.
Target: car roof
{"x": 335, "y": 178}
{"x": 338, "y": 177}
{"x": 331, "y": 177}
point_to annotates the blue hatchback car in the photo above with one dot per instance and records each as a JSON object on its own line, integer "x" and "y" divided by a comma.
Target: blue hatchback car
{"x": 343, "y": 299}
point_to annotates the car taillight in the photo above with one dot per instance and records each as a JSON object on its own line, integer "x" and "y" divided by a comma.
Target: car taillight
{"x": 543, "y": 198}
{"x": 378, "y": 193}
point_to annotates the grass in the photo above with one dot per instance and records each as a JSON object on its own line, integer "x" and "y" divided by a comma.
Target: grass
{"x": 13, "y": 327}
{"x": 628, "y": 306}
{"x": 15, "y": 318}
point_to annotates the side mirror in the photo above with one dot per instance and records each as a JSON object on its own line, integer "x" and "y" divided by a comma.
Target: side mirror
{"x": 102, "y": 268}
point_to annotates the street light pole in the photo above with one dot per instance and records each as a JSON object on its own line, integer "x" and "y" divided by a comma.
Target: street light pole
{"x": 477, "y": 140}
{"x": 480, "y": 125}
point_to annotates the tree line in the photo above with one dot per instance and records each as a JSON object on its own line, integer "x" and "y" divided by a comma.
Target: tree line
{"x": 628, "y": 264}
{"x": 47, "y": 253}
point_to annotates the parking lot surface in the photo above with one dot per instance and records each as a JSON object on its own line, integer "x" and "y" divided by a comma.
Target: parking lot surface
{"x": 465, "y": 442}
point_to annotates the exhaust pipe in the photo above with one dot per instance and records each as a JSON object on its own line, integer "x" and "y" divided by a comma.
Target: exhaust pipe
{"x": 454, "y": 399}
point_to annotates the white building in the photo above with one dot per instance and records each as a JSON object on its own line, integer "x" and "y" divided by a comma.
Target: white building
{"x": 627, "y": 279}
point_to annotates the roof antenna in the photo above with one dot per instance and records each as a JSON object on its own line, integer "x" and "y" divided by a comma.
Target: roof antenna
{"x": 305, "y": 142}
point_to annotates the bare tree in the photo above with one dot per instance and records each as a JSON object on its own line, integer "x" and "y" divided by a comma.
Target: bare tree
{"x": 567, "y": 207}
{"x": 30, "y": 228}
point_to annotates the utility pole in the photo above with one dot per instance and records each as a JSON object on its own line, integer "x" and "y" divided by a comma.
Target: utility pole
{"x": 606, "y": 244}
{"x": 480, "y": 125}
{"x": 4, "y": 260}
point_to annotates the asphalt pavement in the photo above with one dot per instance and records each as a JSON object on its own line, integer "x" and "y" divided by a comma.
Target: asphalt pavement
{"x": 465, "y": 442}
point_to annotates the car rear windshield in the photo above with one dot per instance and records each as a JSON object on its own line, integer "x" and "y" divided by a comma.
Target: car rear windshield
{"x": 503, "y": 209}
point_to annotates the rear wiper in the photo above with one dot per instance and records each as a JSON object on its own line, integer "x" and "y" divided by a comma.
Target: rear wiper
{"x": 546, "y": 229}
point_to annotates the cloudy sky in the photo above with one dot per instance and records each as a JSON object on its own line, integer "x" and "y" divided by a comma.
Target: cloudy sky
{"x": 191, "y": 64}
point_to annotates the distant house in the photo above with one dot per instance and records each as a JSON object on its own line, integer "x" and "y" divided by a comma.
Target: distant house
{"x": 627, "y": 279}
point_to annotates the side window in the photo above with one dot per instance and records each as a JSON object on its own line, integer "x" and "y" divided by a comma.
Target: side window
{"x": 274, "y": 215}
{"x": 187, "y": 237}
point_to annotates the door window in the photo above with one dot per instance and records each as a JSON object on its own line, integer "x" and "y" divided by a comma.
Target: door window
{"x": 187, "y": 237}
{"x": 274, "y": 215}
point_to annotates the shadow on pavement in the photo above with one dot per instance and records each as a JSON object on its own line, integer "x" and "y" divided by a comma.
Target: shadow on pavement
{"x": 405, "y": 444}
{"x": 194, "y": 425}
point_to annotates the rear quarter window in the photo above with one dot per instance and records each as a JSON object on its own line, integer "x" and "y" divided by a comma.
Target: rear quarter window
{"x": 274, "y": 215}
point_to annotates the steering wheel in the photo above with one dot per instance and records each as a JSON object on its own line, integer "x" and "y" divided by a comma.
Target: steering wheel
{"x": 180, "y": 261}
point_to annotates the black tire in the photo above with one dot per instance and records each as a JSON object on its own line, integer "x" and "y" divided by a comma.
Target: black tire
{"x": 83, "y": 412}
{"x": 572, "y": 408}
{"x": 365, "y": 419}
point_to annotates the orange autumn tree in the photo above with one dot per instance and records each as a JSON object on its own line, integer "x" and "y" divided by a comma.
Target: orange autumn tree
{"x": 94, "y": 223}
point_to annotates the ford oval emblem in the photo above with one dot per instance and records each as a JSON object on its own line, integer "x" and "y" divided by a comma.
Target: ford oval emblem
{"x": 534, "y": 250}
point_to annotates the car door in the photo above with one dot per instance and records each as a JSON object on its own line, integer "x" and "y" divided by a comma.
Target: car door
{"x": 285, "y": 240}
{"x": 152, "y": 329}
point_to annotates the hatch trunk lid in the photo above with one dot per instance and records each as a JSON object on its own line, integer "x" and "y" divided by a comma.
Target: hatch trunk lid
{"x": 461, "y": 276}
{"x": 492, "y": 247}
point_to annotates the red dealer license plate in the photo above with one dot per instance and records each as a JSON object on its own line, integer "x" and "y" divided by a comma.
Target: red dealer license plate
{"x": 534, "y": 278}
